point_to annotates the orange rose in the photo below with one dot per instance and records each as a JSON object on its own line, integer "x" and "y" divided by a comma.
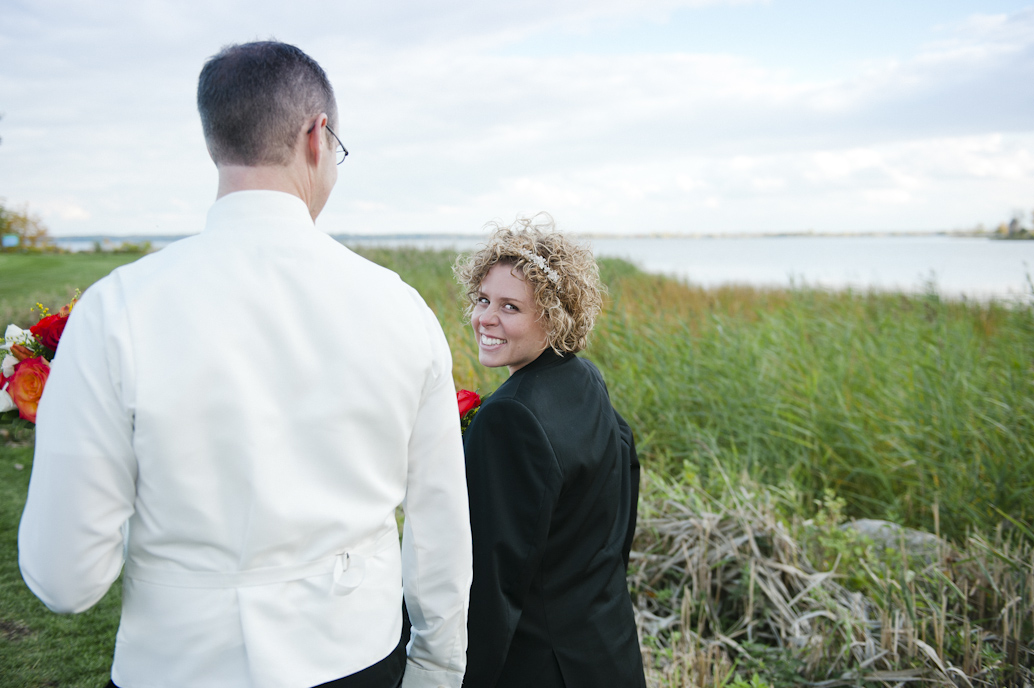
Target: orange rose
{"x": 26, "y": 386}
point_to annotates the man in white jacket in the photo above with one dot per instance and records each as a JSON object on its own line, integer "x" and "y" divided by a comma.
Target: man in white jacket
{"x": 236, "y": 418}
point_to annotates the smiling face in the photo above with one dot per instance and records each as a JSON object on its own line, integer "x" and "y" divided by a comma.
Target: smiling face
{"x": 506, "y": 321}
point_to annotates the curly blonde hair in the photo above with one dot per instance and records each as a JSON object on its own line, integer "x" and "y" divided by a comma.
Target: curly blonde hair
{"x": 564, "y": 276}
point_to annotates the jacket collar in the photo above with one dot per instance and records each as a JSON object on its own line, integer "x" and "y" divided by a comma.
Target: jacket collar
{"x": 257, "y": 208}
{"x": 547, "y": 359}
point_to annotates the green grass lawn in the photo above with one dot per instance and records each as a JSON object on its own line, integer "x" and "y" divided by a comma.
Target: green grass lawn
{"x": 38, "y": 648}
{"x": 49, "y": 278}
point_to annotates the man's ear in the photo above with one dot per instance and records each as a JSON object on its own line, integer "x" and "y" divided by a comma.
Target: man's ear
{"x": 315, "y": 140}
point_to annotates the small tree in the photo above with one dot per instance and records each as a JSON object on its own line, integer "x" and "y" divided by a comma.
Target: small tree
{"x": 28, "y": 228}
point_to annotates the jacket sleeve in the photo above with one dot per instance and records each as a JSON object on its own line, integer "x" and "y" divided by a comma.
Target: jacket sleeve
{"x": 513, "y": 480}
{"x": 83, "y": 484}
{"x": 436, "y": 566}
{"x": 630, "y": 456}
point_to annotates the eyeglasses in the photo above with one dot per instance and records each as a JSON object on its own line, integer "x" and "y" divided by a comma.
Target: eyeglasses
{"x": 342, "y": 152}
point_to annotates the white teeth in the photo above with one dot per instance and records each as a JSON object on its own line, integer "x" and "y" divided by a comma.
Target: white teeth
{"x": 490, "y": 341}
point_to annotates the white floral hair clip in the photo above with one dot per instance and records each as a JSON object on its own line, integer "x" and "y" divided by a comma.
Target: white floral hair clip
{"x": 538, "y": 260}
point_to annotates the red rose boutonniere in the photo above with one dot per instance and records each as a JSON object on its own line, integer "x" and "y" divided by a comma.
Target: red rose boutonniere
{"x": 469, "y": 403}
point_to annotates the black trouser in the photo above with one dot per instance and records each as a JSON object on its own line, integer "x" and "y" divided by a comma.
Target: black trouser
{"x": 386, "y": 673}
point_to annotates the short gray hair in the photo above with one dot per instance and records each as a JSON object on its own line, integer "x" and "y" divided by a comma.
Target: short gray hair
{"x": 253, "y": 99}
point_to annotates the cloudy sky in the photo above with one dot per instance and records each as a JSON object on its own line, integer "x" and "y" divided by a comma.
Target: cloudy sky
{"x": 616, "y": 116}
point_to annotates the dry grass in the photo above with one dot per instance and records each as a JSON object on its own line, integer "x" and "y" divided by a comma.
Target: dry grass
{"x": 728, "y": 585}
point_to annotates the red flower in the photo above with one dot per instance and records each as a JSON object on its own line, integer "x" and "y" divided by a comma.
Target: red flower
{"x": 467, "y": 401}
{"x": 26, "y": 386}
{"x": 49, "y": 329}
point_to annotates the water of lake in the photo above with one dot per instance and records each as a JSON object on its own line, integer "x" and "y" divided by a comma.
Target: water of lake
{"x": 957, "y": 266}
{"x": 972, "y": 267}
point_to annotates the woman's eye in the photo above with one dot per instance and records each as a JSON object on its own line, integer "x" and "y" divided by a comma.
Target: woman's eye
{"x": 482, "y": 300}
{"x": 510, "y": 307}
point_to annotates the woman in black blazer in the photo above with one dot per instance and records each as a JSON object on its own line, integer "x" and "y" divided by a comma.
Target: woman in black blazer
{"x": 552, "y": 476}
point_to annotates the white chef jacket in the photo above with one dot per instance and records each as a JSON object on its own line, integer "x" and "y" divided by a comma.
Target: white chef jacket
{"x": 250, "y": 405}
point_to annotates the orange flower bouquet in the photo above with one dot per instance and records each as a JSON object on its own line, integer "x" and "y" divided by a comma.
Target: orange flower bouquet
{"x": 25, "y": 357}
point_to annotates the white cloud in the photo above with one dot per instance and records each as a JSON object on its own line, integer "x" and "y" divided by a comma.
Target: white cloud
{"x": 446, "y": 131}
{"x": 66, "y": 211}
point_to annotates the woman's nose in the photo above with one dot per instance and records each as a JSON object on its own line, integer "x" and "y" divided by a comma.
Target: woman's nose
{"x": 490, "y": 316}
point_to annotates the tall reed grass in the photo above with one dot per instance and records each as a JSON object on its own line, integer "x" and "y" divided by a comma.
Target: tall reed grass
{"x": 905, "y": 406}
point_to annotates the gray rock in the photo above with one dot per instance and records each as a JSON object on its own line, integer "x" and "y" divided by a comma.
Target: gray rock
{"x": 893, "y": 536}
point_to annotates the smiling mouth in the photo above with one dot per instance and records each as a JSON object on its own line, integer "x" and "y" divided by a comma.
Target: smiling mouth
{"x": 491, "y": 341}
